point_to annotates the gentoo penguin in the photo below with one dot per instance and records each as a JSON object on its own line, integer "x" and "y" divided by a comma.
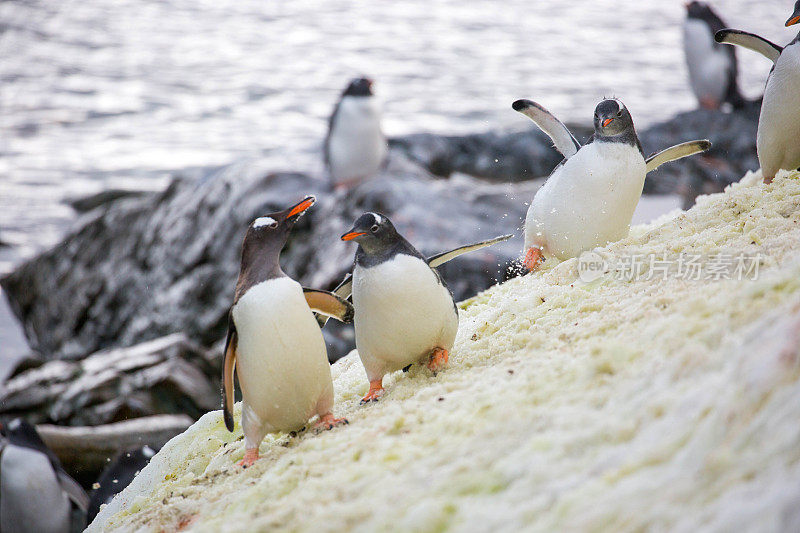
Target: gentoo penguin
{"x": 355, "y": 147}
{"x": 778, "y": 136}
{"x": 274, "y": 342}
{"x": 589, "y": 198}
{"x": 404, "y": 311}
{"x": 116, "y": 476}
{"x": 712, "y": 68}
{"x": 35, "y": 492}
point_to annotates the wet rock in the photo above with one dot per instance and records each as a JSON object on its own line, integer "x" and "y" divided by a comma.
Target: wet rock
{"x": 86, "y": 451}
{"x": 144, "y": 268}
{"x": 93, "y": 201}
{"x": 162, "y": 376}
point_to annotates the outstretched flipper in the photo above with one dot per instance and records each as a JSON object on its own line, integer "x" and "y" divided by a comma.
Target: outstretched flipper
{"x": 444, "y": 257}
{"x": 228, "y": 367}
{"x": 677, "y": 152}
{"x": 344, "y": 290}
{"x": 755, "y": 43}
{"x": 329, "y": 304}
{"x": 563, "y": 140}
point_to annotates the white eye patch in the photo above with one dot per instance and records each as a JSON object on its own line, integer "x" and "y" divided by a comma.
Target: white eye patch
{"x": 377, "y": 217}
{"x": 263, "y": 221}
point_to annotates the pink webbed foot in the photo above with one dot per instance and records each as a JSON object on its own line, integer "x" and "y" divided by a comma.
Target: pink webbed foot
{"x": 438, "y": 360}
{"x": 376, "y": 390}
{"x": 533, "y": 258}
{"x": 328, "y": 421}
{"x": 709, "y": 103}
{"x": 250, "y": 457}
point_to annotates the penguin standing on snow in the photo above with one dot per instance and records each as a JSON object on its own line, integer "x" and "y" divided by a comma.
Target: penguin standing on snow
{"x": 590, "y": 197}
{"x": 712, "y": 68}
{"x": 35, "y": 492}
{"x": 778, "y": 136}
{"x": 355, "y": 147}
{"x": 273, "y": 341}
{"x": 404, "y": 311}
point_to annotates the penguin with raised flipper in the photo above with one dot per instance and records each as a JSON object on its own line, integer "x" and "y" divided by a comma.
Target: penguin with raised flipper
{"x": 590, "y": 197}
{"x": 712, "y": 68}
{"x": 778, "y": 135}
{"x": 404, "y": 311}
{"x": 274, "y": 343}
{"x": 355, "y": 147}
{"x": 36, "y": 494}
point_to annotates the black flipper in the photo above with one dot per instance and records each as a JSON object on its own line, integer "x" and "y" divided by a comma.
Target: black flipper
{"x": 228, "y": 368}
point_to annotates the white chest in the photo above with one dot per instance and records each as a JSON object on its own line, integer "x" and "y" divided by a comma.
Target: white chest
{"x": 402, "y": 311}
{"x": 779, "y": 123}
{"x": 589, "y": 201}
{"x": 31, "y": 498}
{"x": 282, "y": 362}
{"x": 707, "y": 61}
{"x": 356, "y": 146}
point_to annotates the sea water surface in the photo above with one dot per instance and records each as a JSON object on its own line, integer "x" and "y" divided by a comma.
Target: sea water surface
{"x": 122, "y": 93}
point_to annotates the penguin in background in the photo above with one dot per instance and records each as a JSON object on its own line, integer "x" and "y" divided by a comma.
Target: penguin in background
{"x": 274, "y": 342}
{"x": 589, "y": 198}
{"x": 404, "y": 311}
{"x": 712, "y": 68}
{"x": 778, "y": 135}
{"x": 355, "y": 147}
{"x": 116, "y": 476}
{"x": 36, "y": 494}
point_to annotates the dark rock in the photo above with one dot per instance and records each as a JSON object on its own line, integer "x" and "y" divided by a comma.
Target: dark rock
{"x": 493, "y": 156}
{"x": 148, "y": 266}
{"x": 732, "y": 154}
{"x": 85, "y": 451}
{"x": 24, "y": 363}
{"x": 170, "y": 375}
{"x": 152, "y": 266}
{"x": 103, "y": 198}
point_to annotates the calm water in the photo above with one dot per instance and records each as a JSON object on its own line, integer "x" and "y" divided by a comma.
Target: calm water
{"x": 120, "y": 93}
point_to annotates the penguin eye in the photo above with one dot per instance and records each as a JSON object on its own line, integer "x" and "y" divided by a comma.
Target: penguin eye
{"x": 273, "y": 225}
{"x": 374, "y": 229}
{"x": 619, "y": 114}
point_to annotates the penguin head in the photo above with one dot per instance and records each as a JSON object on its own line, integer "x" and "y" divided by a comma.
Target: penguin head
{"x": 359, "y": 87}
{"x": 271, "y": 231}
{"x": 795, "y": 18}
{"x": 373, "y": 232}
{"x": 697, "y": 10}
{"x": 20, "y": 432}
{"x": 611, "y": 118}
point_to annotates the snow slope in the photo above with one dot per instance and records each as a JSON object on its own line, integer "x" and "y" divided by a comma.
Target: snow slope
{"x": 661, "y": 403}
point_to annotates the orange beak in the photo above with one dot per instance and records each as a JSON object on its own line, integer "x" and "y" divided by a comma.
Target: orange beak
{"x": 352, "y": 235}
{"x": 792, "y": 21}
{"x": 607, "y": 121}
{"x": 302, "y": 206}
